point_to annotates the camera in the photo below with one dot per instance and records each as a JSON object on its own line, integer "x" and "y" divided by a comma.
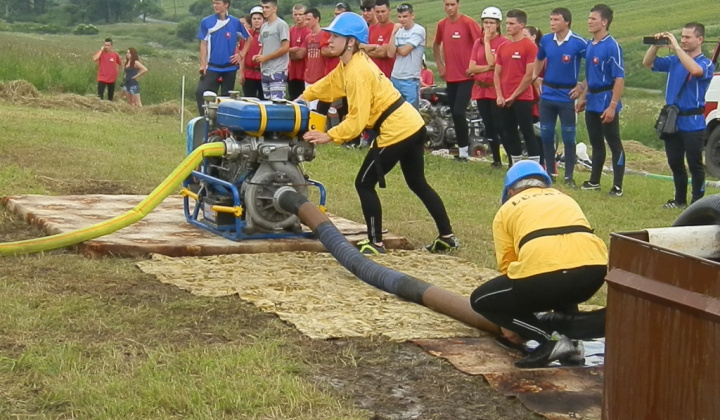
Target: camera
{"x": 651, "y": 40}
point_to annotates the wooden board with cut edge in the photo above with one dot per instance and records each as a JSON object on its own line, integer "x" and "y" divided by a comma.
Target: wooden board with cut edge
{"x": 163, "y": 231}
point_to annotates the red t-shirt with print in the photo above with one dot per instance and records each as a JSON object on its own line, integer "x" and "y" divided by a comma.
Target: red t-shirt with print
{"x": 483, "y": 87}
{"x": 314, "y": 61}
{"x": 108, "y": 67}
{"x": 330, "y": 62}
{"x": 380, "y": 35}
{"x": 296, "y": 68}
{"x": 514, "y": 58}
{"x": 457, "y": 39}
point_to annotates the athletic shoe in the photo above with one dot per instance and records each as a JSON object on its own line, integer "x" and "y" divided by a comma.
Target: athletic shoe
{"x": 570, "y": 183}
{"x": 576, "y": 358}
{"x": 462, "y": 159}
{"x": 508, "y": 345}
{"x": 673, "y": 204}
{"x": 496, "y": 165}
{"x": 615, "y": 191}
{"x": 589, "y": 186}
{"x": 441, "y": 244}
{"x": 557, "y": 347}
{"x": 368, "y": 248}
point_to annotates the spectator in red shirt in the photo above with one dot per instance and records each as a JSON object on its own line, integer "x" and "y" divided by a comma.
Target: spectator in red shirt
{"x": 314, "y": 60}
{"x": 482, "y": 68}
{"x": 456, "y": 34}
{"x": 296, "y": 70}
{"x": 514, "y": 65}
{"x": 368, "y": 12}
{"x": 109, "y": 66}
{"x": 250, "y": 75}
{"x": 427, "y": 78}
{"x": 380, "y": 34}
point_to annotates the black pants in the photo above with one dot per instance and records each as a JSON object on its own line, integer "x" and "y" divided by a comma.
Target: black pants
{"x": 511, "y": 304}
{"x": 492, "y": 119}
{"x": 519, "y": 114}
{"x": 110, "y": 90}
{"x": 458, "y": 94}
{"x": 212, "y": 81}
{"x": 598, "y": 134}
{"x": 409, "y": 153}
{"x": 253, "y": 88}
{"x": 686, "y": 145}
{"x": 295, "y": 88}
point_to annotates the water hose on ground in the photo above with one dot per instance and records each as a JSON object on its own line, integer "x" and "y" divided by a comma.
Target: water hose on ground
{"x": 374, "y": 274}
{"x": 138, "y": 212}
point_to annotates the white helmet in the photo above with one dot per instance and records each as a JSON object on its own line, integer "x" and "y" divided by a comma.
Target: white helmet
{"x": 491, "y": 12}
{"x": 256, "y": 9}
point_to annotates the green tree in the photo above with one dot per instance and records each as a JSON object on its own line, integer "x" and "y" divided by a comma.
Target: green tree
{"x": 147, "y": 8}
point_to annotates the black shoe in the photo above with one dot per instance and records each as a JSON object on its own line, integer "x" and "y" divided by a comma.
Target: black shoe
{"x": 557, "y": 347}
{"x": 496, "y": 165}
{"x": 570, "y": 183}
{"x": 589, "y": 186}
{"x": 368, "y": 248}
{"x": 615, "y": 191}
{"x": 674, "y": 204}
{"x": 576, "y": 358}
{"x": 512, "y": 347}
{"x": 441, "y": 244}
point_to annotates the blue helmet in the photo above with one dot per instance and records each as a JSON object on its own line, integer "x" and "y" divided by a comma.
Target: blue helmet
{"x": 521, "y": 170}
{"x": 349, "y": 24}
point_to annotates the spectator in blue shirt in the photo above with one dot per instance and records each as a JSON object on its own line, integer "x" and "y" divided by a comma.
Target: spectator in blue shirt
{"x": 560, "y": 53}
{"x": 218, "y": 35}
{"x": 689, "y": 75}
{"x": 604, "y": 83}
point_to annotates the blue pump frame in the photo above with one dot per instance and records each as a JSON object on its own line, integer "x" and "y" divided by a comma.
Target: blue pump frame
{"x": 234, "y": 232}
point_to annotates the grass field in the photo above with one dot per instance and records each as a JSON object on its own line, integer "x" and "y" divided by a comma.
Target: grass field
{"x": 82, "y": 338}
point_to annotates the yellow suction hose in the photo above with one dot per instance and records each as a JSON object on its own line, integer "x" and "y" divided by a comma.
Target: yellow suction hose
{"x": 107, "y": 227}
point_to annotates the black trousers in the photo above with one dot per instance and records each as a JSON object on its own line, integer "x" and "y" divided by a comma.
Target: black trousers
{"x": 411, "y": 156}
{"x": 458, "y": 94}
{"x": 519, "y": 114}
{"x": 492, "y": 119}
{"x": 686, "y": 145}
{"x": 212, "y": 81}
{"x": 512, "y": 304}
{"x": 253, "y": 88}
{"x": 110, "y": 90}
{"x": 295, "y": 88}
{"x": 598, "y": 134}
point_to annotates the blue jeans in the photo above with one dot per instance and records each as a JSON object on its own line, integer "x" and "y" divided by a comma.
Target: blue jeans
{"x": 549, "y": 112}
{"x": 409, "y": 89}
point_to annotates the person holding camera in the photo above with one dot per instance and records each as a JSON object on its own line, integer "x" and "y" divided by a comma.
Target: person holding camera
{"x": 689, "y": 75}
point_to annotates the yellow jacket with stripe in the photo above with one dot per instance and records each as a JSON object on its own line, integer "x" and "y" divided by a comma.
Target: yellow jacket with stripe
{"x": 541, "y": 208}
{"x": 368, "y": 94}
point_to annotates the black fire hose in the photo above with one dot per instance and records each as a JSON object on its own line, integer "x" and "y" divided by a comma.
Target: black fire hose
{"x": 387, "y": 279}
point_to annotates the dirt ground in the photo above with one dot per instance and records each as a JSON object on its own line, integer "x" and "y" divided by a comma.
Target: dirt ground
{"x": 390, "y": 380}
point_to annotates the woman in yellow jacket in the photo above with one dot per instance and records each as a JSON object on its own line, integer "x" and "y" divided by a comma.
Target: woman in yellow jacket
{"x": 549, "y": 259}
{"x": 375, "y": 104}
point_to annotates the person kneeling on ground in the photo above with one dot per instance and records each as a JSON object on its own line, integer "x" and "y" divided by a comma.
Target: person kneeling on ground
{"x": 549, "y": 259}
{"x": 374, "y": 103}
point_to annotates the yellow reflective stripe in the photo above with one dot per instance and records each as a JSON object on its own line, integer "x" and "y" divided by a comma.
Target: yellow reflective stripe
{"x": 263, "y": 118}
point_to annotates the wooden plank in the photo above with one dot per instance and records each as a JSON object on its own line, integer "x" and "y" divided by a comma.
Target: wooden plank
{"x": 163, "y": 231}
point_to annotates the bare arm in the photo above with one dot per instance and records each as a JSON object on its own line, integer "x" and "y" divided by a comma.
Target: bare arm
{"x": 96, "y": 56}
{"x": 298, "y": 53}
{"x": 437, "y": 50}
{"x": 609, "y": 114}
{"x": 284, "y": 48}
{"x": 650, "y": 56}
{"x": 142, "y": 70}
{"x": 203, "y": 56}
{"x": 498, "y": 87}
{"x": 524, "y": 83}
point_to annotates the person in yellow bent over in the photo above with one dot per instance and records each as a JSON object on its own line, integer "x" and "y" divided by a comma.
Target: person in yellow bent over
{"x": 549, "y": 259}
{"x": 375, "y": 104}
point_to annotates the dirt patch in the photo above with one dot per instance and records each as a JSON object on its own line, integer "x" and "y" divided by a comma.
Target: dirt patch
{"x": 392, "y": 380}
